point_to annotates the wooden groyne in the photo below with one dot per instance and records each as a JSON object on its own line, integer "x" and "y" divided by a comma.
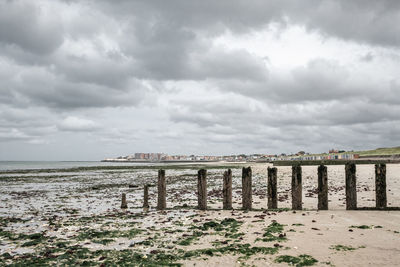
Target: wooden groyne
{"x": 332, "y": 162}
{"x": 272, "y": 189}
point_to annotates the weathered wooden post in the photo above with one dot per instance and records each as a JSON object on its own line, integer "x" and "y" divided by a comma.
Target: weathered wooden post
{"x": 202, "y": 189}
{"x": 124, "y": 204}
{"x": 246, "y": 188}
{"x": 227, "y": 190}
{"x": 146, "y": 196}
{"x": 272, "y": 188}
{"x": 162, "y": 191}
{"x": 351, "y": 186}
{"x": 322, "y": 187}
{"x": 297, "y": 190}
{"x": 380, "y": 185}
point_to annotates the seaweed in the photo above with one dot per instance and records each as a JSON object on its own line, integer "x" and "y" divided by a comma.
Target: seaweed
{"x": 344, "y": 248}
{"x": 274, "y": 232}
{"x": 361, "y": 226}
{"x": 301, "y": 260}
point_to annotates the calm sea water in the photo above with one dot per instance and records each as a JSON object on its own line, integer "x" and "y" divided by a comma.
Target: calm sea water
{"x": 23, "y": 165}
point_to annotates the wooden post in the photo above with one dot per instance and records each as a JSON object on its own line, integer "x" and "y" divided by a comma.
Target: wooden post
{"x": 124, "y": 204}
{"x": 322, "y": 187}
{"x": 227, "y": 190}
{"x": 351, "y": 186}
{"x": 380, "y": 185}
{"x": 162, "y": 191}
{"x": 146, "y": 196}
{"x": 297, "y": 190}
{"x": 272, "y": 188}
{"x": 246, "y": 188}
{"x": 202, "y": 189}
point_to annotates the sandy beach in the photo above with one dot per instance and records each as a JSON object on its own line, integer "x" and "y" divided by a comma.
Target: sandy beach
{"x": 73, "y": 217}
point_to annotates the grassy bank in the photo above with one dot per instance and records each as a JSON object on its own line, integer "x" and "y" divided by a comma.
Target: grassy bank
{"x": 380, "y": 151}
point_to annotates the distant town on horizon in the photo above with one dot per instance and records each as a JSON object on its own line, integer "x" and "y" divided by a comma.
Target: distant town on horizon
{"x": 332, "y": 154}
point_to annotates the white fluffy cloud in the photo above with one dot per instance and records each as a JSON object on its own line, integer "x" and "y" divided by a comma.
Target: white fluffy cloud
{"x": 71, "y": 123}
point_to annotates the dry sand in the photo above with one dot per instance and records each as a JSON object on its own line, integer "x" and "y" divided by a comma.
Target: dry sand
{"x": 57, "y": 206}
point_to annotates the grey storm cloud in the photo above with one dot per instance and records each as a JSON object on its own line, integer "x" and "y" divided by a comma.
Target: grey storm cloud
{"x": 23, "y": 25}
{"x": 165, "y": 75}
{"x": 361, "y": 20}
{"x": 320, "y": 80}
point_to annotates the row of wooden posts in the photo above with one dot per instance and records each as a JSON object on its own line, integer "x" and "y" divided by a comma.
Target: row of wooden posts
{"x": 272, "y": 203}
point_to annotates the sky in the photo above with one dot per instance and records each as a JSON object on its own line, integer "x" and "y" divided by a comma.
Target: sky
{"x": 87, "y": 80}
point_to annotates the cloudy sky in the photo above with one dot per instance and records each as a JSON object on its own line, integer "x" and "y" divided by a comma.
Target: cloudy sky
{"x": 85, "y": 80}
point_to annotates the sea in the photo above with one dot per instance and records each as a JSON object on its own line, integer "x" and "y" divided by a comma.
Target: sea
{"x": 25, "y": 165}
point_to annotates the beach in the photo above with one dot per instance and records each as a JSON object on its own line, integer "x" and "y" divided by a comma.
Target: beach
{"x": 73, "y": 217}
